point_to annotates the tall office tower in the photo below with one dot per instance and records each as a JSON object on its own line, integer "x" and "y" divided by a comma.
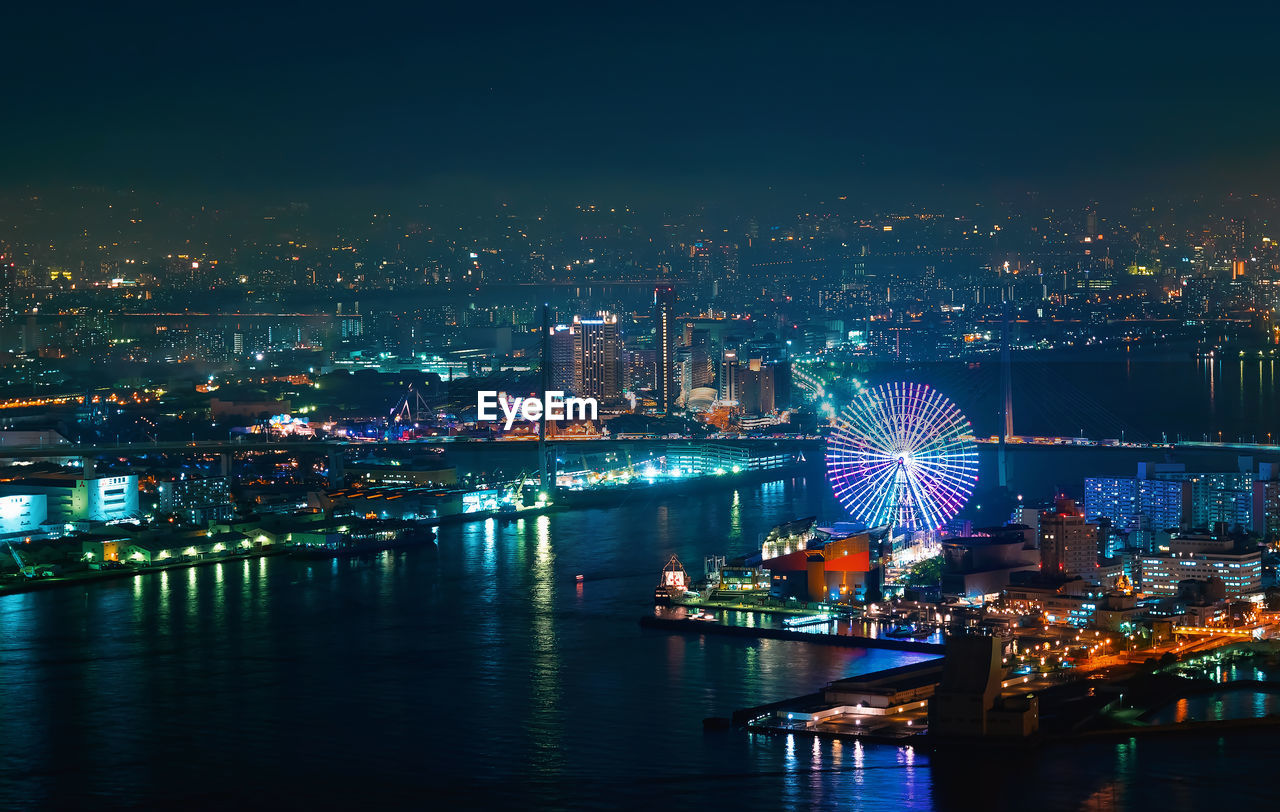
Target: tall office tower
{"x": 684, "y": 374}
{"x": 6, "y": 283}
{"x": 700, "y": 266}
{"x": 638, "y": 366}
{"x": 8, "y": 306}
{"x": 32, "y": 337}
{"x": 564, "y": 367}
{"x": 729, "y": 375}
{"x": 701, "y": 372}
{"x": 781, "y": 385}
{"x": 1068, "y": 543}
{"x": 596, "y": 352}
{"x": 664, "y": 316}
{"x": 756, "y": 388}
{"x": 1238, "y": 230}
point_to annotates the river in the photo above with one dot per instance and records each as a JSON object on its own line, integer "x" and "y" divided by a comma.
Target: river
{"x": 486, "y": 674}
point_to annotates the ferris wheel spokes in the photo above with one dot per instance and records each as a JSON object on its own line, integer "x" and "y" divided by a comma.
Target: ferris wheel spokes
{"x": 902, "y": 454}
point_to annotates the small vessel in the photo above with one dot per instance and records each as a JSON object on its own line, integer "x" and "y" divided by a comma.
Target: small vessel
{"x": 807, "y": 620}
{"x": 902, "y": 630}
{"x": 673, "y": 583}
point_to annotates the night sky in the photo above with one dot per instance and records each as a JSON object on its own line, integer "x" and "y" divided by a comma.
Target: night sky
{"x": 690, "y": 100}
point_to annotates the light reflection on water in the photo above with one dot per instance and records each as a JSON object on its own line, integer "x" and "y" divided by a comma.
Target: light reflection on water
{"x": 1235, "y": 704}
{"x": 481, "y": 673}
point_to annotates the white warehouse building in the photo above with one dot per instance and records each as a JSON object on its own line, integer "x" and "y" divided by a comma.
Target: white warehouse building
{"x": 22, "y": 513}
{"x": 76, "y": 498}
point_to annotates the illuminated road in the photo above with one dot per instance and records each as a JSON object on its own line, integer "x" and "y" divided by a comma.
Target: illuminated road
{"x": 325, "y": 446}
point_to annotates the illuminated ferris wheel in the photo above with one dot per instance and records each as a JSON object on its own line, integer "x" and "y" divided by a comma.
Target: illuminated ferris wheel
{"x": 902, "y": 455}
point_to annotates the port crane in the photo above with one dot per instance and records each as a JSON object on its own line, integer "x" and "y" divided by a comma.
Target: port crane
{"x": 25, "y": 570}
{"x": 516, "y": 491}
{"x": 408, "y": 413}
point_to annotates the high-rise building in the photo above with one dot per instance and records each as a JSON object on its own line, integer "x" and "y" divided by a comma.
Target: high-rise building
{"x": 639, "y": 367}
{"x": 781, "y": 385}
{"x": 564, "y": 368}
{"x": 1132, "y": 503}
{"x": 729, "y": 375}
{"x": 1266, "y": 501}
{"x": 664, "y": 316}
{"x": 351, "y": 326}
{"x": 7, "y": 283}
{"x": 1068, "y": 543}
{"x": 756, "y": 388}
{"x": 701, "y": 372}
{"x": 700, "y": 266}
{"x": 197, "y": 500}
{"x": 1214, "y": 497}
{"x": 1165, "y": 496}
{"x": 596, "y": 353}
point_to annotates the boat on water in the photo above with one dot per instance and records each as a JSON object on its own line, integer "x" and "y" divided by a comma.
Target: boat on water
{"x": 673, "y": 583}
{"x": 903, "y": 630}
{"x": 807, "y": 620}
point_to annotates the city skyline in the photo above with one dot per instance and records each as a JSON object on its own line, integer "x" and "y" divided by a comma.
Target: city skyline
{"x": 747, "y": 405}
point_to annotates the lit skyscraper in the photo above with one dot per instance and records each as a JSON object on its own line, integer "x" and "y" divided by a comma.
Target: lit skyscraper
{"x": 664, "y": 315}
{"x": 564, "y": 364}
{"x": 755, "y": 387}
{"x": 729, "y": 375}
{"x": 596, "y": 356}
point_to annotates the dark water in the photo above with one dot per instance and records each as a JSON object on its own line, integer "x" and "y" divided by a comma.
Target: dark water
{"x": 1143, "y": 399}
{"x": 1217, "y": 707}
{"x": 486, "y": 676}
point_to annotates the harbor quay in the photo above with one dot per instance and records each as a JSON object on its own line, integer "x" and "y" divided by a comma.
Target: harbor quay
{"x": 944, "y": 701}
{"x": 386, "y": 507}
{"x": 672, "y": 622}
{"x": 1026, "y": 664}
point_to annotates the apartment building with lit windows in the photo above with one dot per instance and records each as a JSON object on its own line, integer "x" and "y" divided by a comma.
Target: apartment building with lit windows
{"x": 1199, "y": 558}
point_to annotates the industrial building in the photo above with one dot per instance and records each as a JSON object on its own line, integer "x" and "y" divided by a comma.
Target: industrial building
{"x": 395, "y": 474}
{"x": 22, "y": 513}
{"x": 712, "y": 458}
{"x": 79, "y": 498}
